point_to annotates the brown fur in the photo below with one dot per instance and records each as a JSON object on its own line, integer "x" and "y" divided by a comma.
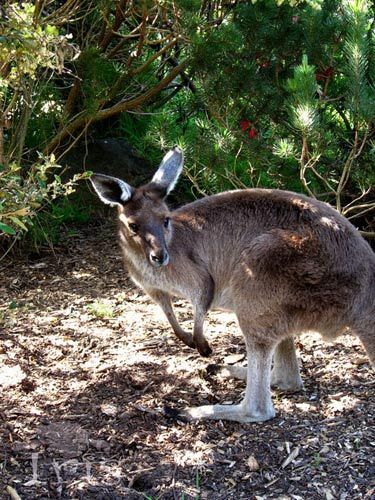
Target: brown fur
{"x": 284, "y": 263}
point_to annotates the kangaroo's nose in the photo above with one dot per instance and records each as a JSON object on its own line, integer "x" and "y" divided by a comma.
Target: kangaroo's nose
{"x": 159, "y": 258}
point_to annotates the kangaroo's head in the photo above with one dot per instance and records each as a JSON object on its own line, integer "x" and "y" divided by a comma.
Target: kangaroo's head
{"x": 144, "y": 216}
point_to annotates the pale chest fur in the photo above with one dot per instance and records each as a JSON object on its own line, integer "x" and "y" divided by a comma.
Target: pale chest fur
{"x": 147, "y": 277}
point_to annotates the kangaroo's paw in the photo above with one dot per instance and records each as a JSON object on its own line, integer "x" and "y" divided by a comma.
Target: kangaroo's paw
{"x": 203, "y": 348}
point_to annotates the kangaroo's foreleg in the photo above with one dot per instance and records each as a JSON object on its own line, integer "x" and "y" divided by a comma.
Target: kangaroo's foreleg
{"x": 164, "y": 301}
{"x": 201, "y": 304}
{"x": 198, "y": 335}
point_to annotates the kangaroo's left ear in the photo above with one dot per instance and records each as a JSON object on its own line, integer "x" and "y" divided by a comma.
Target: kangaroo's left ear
{"x": 169, "y": 170}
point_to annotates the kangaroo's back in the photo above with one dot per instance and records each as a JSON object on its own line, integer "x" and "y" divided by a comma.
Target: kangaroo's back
{"x": 272, "y": 226}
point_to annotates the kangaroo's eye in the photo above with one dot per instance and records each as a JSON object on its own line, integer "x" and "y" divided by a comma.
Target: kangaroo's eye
{"x": 167, "y": 221}
{"x": 134, "y": 227}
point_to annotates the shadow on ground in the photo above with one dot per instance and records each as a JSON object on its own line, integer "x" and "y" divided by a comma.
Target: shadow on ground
{"x": 87, "y": 364}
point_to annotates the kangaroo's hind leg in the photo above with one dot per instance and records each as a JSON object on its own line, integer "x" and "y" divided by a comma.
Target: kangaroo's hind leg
{"x": 285, "y": 373}
{"x": 257, "y": 404}
{"x": 366, "y": 334}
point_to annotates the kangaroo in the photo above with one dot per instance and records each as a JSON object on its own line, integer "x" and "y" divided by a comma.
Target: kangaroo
{"x": 282, "y": 262}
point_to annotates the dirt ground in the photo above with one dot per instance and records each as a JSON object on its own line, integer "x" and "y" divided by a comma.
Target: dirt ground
{"x": 87, "y": 364}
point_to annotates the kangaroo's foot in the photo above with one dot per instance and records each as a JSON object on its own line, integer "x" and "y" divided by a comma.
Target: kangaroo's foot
{"x": 237, "y": 413}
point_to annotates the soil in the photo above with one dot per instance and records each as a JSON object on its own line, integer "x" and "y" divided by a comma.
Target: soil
{"x": 88, "y": 362}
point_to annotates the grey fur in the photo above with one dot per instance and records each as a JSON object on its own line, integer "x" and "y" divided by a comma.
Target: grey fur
{"x": 283, "y": 262}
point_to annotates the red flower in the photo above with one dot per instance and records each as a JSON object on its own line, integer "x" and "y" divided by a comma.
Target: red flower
{"x": 244, "y": 124}
{"x": 324, "y": 74}
{"x": 253, "y": 133}
{"x": 262, "y": 62}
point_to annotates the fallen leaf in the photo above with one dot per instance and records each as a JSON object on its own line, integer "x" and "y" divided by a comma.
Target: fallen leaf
{"x": 293, "y": 455}
{"x": 108, "y": 409}
{"x": 253, "y": 464}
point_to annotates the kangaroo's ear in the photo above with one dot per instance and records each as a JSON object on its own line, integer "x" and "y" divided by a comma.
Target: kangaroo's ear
{"x": 169, "y": 171}
{"x": 111, "y": 190}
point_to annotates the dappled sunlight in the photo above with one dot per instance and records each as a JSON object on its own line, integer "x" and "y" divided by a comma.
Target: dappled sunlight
{"x": 11, "y": 375}
{"x": 189, "y": 457}
{"x": 82, "y": 348}
{"x": 330, "y": 222}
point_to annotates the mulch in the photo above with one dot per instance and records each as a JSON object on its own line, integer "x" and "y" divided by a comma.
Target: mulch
{"x": 87, "y": 364}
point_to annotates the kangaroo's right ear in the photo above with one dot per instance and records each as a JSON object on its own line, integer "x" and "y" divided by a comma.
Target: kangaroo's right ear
{"x": 111, "y": 190}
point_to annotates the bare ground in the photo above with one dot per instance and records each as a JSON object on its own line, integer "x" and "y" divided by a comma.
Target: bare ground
{"x": 87, "y": 362}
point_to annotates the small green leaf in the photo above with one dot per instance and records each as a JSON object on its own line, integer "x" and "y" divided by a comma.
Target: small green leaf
{"x": 51, "y": 30}
{"x": 19, "y": 222}
{"x": 7, "y": 229}
{"x": 13, "y": 305}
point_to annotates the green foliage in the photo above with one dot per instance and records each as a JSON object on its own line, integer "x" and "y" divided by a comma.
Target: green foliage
{"x": 30, "y": 53}
{"x": 27, "y": 47}
{"x": 271, "y": 93}
{"x": 284, "y": 97}
{"x": 52, "y": 225}
{"x": 304, "y": 102}
{"x": 101, "y": 310}
{"x": 21, "y": 198}
{"x": 98, "y": 75}
{"x": 317, "y": 461}
{"x": 361, "y": 95}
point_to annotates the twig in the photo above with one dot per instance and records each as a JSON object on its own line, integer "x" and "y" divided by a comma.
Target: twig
{"x": 174, "y": 482}
{"x": 357, "y": 199}
{"x": 371, "y": 207}
{"x": 59, "y": 480}
{"x": 145, "y": 410}
{"x": 195, "y": 183}
{"x": 368, "y": 234}
{"x": 13, "y": 493}
{"x": 304, "y": 166}
{"x": 117, "y": 108}
{"x": 357, "y": 207}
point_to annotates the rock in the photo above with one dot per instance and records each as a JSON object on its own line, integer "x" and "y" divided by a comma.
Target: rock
{"x": 112, "y": 156}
